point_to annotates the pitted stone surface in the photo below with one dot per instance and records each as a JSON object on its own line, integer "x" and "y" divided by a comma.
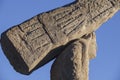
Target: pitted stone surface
{"x": 41, "y": 38}
{"x": 73, "y": 62}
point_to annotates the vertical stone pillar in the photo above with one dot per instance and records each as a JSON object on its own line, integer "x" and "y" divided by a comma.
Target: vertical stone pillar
{"x": 73, "y": 62}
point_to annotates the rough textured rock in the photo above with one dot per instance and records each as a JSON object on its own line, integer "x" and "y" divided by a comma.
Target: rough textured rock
{"x": 38, "y": 40}
{"x": 73, "y": 62}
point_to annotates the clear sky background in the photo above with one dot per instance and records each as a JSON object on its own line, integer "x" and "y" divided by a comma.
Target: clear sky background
{"x": 106, "y": 66}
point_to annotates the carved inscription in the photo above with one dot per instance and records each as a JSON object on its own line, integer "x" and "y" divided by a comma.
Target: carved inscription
{"x": 30, "y": 39}
{"x": 41, "y": 36}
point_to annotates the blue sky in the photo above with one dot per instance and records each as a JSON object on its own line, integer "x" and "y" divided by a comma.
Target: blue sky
{"x": 106, "y": 66}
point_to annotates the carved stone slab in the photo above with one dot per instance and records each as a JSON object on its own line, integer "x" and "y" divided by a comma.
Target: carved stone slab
{"x": 38, "y": 40}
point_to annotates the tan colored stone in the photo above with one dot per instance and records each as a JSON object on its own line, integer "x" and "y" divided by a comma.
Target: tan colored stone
{"x": 38, "y": 40}
{"x": 73, "y": 62}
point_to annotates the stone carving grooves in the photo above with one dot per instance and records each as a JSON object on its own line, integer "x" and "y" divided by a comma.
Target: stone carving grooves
{"x": 41, "y": 38}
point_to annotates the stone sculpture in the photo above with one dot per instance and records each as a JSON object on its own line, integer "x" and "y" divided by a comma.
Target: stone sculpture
{"x": 52, "y": 34}
{"x": 73, "y": 62}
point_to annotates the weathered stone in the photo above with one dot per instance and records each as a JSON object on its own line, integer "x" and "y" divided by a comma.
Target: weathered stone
{"x": 40, "y": 39}
{"x": 73, "y": 62}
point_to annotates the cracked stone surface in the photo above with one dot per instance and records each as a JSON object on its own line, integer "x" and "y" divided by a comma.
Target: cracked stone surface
{"x": 35, "y": 42}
